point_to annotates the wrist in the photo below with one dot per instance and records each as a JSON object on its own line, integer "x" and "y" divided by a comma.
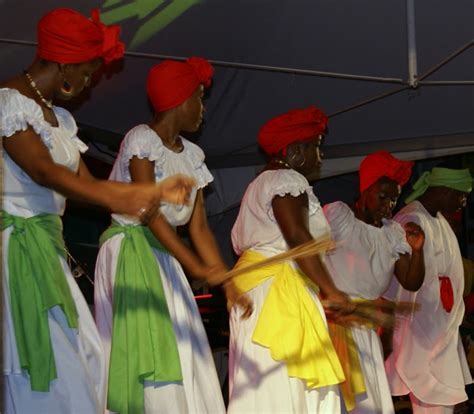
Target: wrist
{"x": 328, "y": 292}
{"x": 159, "y": 190}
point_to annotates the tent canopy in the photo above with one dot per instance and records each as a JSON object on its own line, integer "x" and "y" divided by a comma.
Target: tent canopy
{"x": 288, "y": 40}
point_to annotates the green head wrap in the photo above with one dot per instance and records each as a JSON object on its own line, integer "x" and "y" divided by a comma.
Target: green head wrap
{"x": 460, "y": 180}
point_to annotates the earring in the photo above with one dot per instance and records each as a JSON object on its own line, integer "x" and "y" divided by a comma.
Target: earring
{"x": 304, "y": 160}
{"x": 293, "y": 157}
{"x": 67, "y": 89}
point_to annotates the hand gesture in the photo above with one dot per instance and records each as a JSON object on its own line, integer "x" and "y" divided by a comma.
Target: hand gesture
{"x": 177, "y": 189}
{"x": 143, "y": 199}
{"x": 415, "y": 236}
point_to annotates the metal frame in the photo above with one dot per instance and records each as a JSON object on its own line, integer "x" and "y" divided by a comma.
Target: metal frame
{"x": 413, "y": 82}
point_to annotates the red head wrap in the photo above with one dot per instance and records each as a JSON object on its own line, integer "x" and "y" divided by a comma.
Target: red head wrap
{"x": 170, "y": 83}
{"x": 66, "y": 36}
{"x": 383, "y": 164}
{"x": 297, "y": 125}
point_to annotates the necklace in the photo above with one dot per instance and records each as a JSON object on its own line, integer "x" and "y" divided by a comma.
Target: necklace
{"x": 281, "y": 162}
{"x": 32, "y": 83}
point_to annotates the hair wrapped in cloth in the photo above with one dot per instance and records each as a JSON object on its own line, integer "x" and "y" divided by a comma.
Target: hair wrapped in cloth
{"x": 297, "y": 125}
{"x": 460, "y": 180}
{"x": 383, "y": 164}
{"x": 66, "y": 36}
{"x": 170, "y": 82}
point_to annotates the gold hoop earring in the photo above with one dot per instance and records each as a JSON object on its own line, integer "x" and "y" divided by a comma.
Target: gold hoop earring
{"x": 293, "y": 157}
{"x": 66, "y": 89}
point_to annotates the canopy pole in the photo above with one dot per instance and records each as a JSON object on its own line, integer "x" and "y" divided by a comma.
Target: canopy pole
{"x": 411, "y": 35}
{"x": 238, "y": 65}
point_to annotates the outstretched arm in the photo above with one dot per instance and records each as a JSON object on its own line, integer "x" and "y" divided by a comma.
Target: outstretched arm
{"x": 410, "y": 270}
{"x": 291, "y": 214}
{"x": 27, "y": 150}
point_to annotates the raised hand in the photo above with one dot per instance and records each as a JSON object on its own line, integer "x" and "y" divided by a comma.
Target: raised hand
{"x": 415, "y": 236}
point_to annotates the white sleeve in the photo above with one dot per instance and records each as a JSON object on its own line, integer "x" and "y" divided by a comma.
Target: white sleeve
{"x": 18, "y": 113}
{"x": 282, "y": 183}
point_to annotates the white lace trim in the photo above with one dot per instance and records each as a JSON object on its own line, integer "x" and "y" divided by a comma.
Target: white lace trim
{"x": 21, "y": 121}
{"x": 297, "y": 186}
{"x": 144, "y": 143}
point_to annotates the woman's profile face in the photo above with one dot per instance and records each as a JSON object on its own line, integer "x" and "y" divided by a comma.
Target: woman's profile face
{"x": 76, "y": 78}
{"x": 192, "y": 111}
{"x": 311, "y": 158}
{"x": 381, "y": 199}
{"x": 453, "y": 200}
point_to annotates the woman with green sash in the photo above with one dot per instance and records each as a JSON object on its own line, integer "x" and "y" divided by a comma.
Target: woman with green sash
{"x": 53, "y": 359}
{"x": 158, "y": 353}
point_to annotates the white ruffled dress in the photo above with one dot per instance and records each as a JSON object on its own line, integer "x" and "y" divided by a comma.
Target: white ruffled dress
{"x": 362, "y": 265}
{"x": 428, "y": 358}
{"x": 257, "y": 383}
{"x": 80, "y": 386}
{"x": 199, "y": 392}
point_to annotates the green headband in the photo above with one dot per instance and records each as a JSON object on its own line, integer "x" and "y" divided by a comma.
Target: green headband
{"x": 460, "y": 180}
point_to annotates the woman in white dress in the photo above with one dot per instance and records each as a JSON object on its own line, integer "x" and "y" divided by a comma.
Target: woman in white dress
{"x": 370, "y": 250}
{"x": 159, "y": 356}
{"x": 281, "y": 358}
{"x": 53, "y": 359}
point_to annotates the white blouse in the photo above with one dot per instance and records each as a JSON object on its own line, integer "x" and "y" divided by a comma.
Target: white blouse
{"x": 256, "y": 227}
{"x": 363, "y": 262}
{"x": 22, "y": 196}
{"x": 144, "y": 143}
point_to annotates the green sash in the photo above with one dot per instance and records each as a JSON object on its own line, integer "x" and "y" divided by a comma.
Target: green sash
{"x": 143, "y": 340}
{"x": 37, "y": 283}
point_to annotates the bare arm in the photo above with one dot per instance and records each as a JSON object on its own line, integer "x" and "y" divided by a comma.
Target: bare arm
{"x": 201, "y": 235}
{"x": 28, "y": 151}
{"x": 206, "y": 246}
{"x": 143, "y": 171}
{"x": 292, "y": 216}
{"x": 410, "y": 270}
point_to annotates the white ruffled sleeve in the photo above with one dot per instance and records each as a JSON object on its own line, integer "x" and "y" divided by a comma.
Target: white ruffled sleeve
{"x": 142, "y": 142}
{"x": 18, "y": 113}
{"x": 396, "y": 237}
{"x": 289, "y": 182}
{"x": 81, "y": 145}
{"x": 197, "y": 157}
{"x": 339, "y": 216}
